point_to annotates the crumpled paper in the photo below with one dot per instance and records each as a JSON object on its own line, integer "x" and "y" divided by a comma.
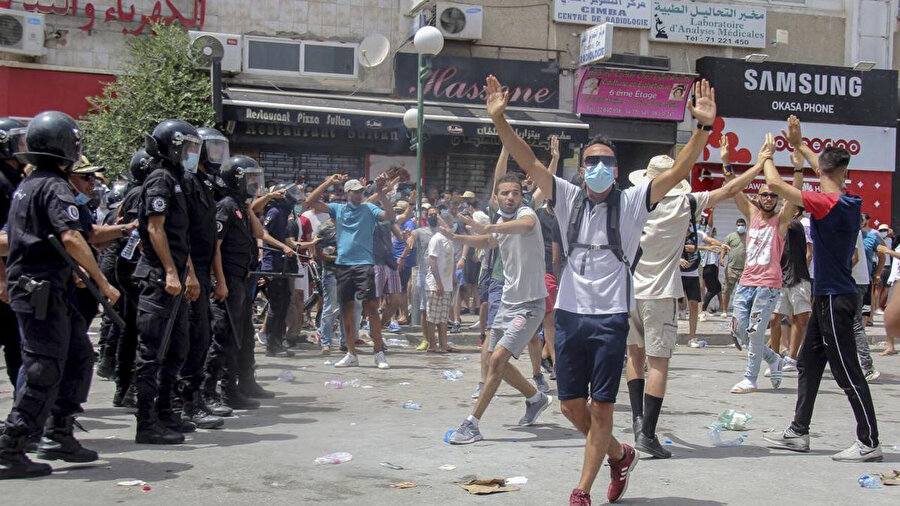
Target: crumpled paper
{"x": 487, "y": 486}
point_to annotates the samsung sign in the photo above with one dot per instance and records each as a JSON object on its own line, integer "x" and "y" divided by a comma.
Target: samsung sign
{"x": 814, "y": 93}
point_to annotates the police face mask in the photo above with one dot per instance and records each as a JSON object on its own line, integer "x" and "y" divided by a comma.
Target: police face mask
{"x": 82, "y": 199}
{"x": 741, "y": 229}
{"x": 599, "y": 177}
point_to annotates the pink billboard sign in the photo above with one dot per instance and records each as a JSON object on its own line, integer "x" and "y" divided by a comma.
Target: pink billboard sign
{"x": 631, "y": 94}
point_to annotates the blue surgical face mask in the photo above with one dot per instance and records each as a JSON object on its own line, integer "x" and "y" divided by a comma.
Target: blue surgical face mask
{"x": 82, "y": 199}
{"x": 507, "y": 215}
{"x": 599, "y": 177}
{"x": 193, "y": 160}
{"x": 741, "y": 229}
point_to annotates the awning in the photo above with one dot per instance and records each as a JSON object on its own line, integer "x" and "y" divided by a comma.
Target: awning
{"x": 532, "y": 125}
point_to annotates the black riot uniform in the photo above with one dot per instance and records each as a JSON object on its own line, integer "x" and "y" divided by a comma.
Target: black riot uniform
{"x": 57, "y": 355}
{"x": 231, "y": 357}
{"x": 126, "y": 259}
{"x": 176, "y": 145}
{"x": 110, "y": 333}
{"x": 198, "y": 189}
{"x": 12, "y": 138}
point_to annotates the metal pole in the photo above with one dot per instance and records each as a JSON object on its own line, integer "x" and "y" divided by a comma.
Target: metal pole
{"x": 420, "y": 119}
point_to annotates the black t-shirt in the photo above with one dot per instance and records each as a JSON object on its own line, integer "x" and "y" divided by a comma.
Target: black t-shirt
{"x": 238, "y": 245}
{"x": 793, "y": 258}
{"x": 382, "y": 246}
{"x": 162, "y": 195}
{"x": 550, "y": 231}
{"x": 43, "y": 204}
{"x": 198, "y": 190}
{"x": 9, "y": 179}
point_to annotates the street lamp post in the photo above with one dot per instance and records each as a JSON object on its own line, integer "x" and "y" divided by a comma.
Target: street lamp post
{"x": 428, "y": 41}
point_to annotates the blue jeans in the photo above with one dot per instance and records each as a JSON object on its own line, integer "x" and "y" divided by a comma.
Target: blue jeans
{"x": 753, "y": 306}
{"x": 331, "y": 310}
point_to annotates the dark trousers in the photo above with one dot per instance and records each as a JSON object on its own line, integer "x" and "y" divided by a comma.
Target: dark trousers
{"x": 11, "y": 342}
{"x": 199, "y": 332}
{"x": 225, "y": 360}
{"x": 713, "y": 286}
{"x": 279, "y": 292}
{"x": 126, "y": 349}
{"x": 109, "y": 332}
{"x": 829, "y": 340}
{"x": 154, "y": 379}
{"x": 56, "y": 370}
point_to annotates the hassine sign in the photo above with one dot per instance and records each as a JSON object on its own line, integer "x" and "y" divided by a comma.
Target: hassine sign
{"x": 814, "y": 93}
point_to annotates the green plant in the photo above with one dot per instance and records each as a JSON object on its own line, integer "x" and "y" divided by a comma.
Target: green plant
{"x": 161, "y": 80}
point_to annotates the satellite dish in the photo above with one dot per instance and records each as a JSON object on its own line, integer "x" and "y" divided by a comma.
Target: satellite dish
{"x": 209, "y": 49}
{"x": 373, "y": 50}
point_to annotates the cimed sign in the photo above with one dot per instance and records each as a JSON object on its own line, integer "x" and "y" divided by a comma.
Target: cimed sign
{"x": 710, "y": 24}
{"x": 596, "y": 44}
{"x": 624, "y": 13}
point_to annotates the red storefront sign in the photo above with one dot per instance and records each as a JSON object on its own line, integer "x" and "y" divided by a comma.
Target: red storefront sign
{"x": 26, "y": 92}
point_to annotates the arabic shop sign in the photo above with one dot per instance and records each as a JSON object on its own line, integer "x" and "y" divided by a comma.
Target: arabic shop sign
{"x": 461, "y": 80}
{"x": 632, "y": 94}
{"x": 624, "y": 13}
{"x": 709, "y": 24}
{"x": 596, "y": 44}
{"x": 188, "y": 13}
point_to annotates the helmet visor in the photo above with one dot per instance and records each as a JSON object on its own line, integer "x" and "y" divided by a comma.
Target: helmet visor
{"x": 190, "y": 153}
{"x": 17, "y": 140}
{"x": 256, "y": 182}
{"x": 217, "y": 151}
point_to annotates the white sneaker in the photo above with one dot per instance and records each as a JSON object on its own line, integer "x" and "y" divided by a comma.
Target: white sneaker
{"x": 859, "y": 452}
{"x": 380, "y": 361}
{"x": 349, "y": 360}
{"x": 879, "y": 312}
{"x": 703, "y": 316}
{"x": 790, "y": 365}
{"x": 724, "y": 314}
{"x": 873, "y": 376}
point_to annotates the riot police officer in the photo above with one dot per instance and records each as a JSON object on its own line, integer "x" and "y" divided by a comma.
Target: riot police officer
{"x": 198, "y": 190}
{"x": 167, "y": 282}
{"x": 231, "y": 354}
{"x": 57, "y": 356}
{"x": 109, "y": 333}
{"x": 12, "y": 139}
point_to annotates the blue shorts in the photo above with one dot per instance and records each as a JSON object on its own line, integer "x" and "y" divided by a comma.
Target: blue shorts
{"x": 590, "y": 355}
{"x": 495, "y": 293}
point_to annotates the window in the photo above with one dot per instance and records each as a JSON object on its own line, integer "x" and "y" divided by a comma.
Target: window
{"x": 272, "y": 56}
{"x": 329, "y": 58}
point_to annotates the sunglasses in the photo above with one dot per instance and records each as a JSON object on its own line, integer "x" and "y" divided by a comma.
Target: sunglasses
{"x": 87, "y": 177}
{"x": 768, "y": 195}
{"x": 593, "y": 161}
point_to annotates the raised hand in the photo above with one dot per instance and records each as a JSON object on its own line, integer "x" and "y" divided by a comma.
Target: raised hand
{"x": 473, "y": 225}
{"x": 767, "y": 151}
{"x": 554, "y": 147}
{"x": 724, "y": 152}
{"x": 338, "y": 178}
{"x": 704, "y": 108}
{"x": 793, "y": 134}
{"x": 497, "y": 99}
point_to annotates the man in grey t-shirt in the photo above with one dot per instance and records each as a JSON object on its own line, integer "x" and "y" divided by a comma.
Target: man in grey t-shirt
{"x": 518, "y": 234}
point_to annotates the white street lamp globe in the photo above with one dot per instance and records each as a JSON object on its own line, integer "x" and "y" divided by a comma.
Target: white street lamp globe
{"x": 428, "y": 40}
{"x": 411, "y": 118}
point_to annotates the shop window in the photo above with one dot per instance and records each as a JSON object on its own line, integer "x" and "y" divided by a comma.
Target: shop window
{"x": 330, "y": 59}
{"x": 272, "y": 56}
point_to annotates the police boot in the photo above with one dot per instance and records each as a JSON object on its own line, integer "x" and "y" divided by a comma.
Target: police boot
{"x": 124, "y": 397}
{"x": 59, "y": 442}
{"x": 14, "y": 464}
{"x": 232, "y": 396}
{"x": 250, "y": 388}
{"x": 150, "y": 430}
{"x": 277, "y": 350}
{"x": 196, "y": 413}
{"x": 173, "y": 421}
{"x": 106, "y": 369}
{"x": 212, "y": 403}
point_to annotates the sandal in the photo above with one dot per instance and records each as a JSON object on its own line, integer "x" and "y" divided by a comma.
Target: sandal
{"x": 744, "y": 387}
{"x": 887, "y": 353}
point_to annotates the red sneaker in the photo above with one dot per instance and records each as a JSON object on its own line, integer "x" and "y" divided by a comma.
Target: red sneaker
{"x": 618, "y": 473}
{"x": 579, "y": 498}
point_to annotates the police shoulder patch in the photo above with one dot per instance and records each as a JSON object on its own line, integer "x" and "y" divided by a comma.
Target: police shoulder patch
{"x": 219, "y": 227}
{"x": 177, "y": 188}
{"x": 73, "y": 212}
{"x": 158, "y": 204}
{"x": 268, "y": 220}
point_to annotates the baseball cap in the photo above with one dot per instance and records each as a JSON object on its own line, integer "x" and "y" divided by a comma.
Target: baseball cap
{"x": 352, "y": 185}
{"x": 468, "y": 194}
{"x": 884, "y": 226}
{"x": 401, "y": 205}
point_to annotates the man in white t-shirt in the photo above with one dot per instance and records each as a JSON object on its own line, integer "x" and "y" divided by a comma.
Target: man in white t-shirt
{"x": 439, "y": 283}
{"x": 657, "y": 288}
{"x": 595, "y": 287}
{"x": 518, "y": 235}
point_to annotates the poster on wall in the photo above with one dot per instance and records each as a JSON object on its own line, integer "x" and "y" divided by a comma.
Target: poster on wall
{"x": 708, "y": 24}
{"x": 624, "y": 13}
{"x": 405, "y": 165}
{"x": 637, "y": 94}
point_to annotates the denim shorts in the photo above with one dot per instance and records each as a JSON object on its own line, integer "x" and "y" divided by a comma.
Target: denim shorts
{"x": 590, "y": 355}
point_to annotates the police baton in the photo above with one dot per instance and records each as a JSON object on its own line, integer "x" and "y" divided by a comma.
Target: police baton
{"x": 283, "y": 273}
{"x": 173, "y": 315}
{"x": 107, "y": 307}
{"x": 234, "y": 329}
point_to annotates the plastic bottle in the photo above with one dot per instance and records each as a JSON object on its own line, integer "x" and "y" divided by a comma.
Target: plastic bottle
{"x": 334, "y": 458}
{"x": 715, "y": 437}
{"x": 286, "y": 376}
{"x": 399, "y": 343}
{"x": 869, "y": 481}
{"x": 338, "y": 384}
{"x": 453, "y": 375}
{"x": 412, "y": 405}
{"x": 734, "y": 420}
{"x": 131, "y": 246}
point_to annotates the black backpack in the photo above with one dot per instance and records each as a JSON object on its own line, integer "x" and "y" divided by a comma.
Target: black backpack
{"x": 613, "y": 233}
{"x": 694, "y": 257}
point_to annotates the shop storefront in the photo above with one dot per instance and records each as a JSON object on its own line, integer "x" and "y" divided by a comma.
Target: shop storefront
{"x": 838, "y": 106}
{"x": 638, "y": 110}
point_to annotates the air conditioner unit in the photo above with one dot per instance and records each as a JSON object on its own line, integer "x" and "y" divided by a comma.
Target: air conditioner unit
{"x": 459, "y": 21}
{"x": 21, "y": 32}
{"x": 226, "y": 46}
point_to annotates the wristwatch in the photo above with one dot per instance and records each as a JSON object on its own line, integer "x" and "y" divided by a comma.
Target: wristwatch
{"x": 707, "y": 128}
{"x": 124, "y": 230}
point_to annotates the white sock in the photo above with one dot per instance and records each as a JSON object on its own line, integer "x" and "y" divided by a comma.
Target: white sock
{"x": 534, "y": 398}
{"x": 473, "y": 420}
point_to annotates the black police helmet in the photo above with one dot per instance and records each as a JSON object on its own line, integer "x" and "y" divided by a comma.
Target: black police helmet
{"x": 175, "y": 141}
{"x": 214, "y": 151}
{"x": 52, "y": 138}
{"x": 12, "y": 133}
{"x": 116, "y": 194}
{"x": 140, "y": 166}
{"x": 236, "y": 173}
{"x": 292, "y": 195}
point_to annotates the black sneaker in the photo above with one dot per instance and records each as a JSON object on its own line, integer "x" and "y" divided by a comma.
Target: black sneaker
{"x": 651, "y": 446}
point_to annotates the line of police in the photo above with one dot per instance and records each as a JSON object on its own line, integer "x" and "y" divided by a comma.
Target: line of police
{"x": 183, "y": 231}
